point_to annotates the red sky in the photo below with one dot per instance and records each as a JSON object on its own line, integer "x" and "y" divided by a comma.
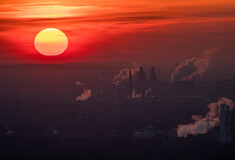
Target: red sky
{"x": 119, "y": 30}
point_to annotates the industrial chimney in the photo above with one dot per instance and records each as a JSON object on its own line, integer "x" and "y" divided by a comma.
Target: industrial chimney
{"x": 228, "y": 123}
{"x": 222, "y": 124}
{"x": 130, "y": 78}
{"x": 225, "y": 122}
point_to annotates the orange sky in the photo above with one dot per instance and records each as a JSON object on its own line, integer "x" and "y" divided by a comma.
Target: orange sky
{"x": 119, "y": 30}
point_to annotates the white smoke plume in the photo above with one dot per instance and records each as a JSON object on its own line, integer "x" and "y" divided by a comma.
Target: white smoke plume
{"x": 85, "y": 95}
{"x": 124, "y": 74}
{"x": 202, "y": 125}
{"x": 193, "y": 67}
{"x": 135, "y": 95}
{"x": 147, "y": 91}
{"x": 78, "y": 83}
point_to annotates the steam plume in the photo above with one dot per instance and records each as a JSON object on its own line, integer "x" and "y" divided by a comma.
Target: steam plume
{"x": 135, "y": 95}
{"x": 124, "y": 74}
{"x": 147, "y": 91}
{"x": 193, "y": 67}
{"x": 78, "y": 83}
{"x": 85, "y": 95}
{"x": 201, "y": 125}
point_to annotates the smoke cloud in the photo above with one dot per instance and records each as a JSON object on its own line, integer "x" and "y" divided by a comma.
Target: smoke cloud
{"x": 85, "y": 95}
{"x": 193, "y": 67}
{"x": 78, "y": 83}
{"x": 147, "y": 91}
{"x": 135, "y": 95}
{"x": 124, "y": 74}
{"x": 202, "y": 125}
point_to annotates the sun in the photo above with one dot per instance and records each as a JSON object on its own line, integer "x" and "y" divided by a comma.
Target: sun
{"x": 51, "y": 42}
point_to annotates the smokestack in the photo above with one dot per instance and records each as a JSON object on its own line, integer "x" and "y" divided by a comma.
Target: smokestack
{"x": 130, "y": 77}
{"x": 123, "y": 74}
{"x": 223, "y": 136}
{"x": 228, "y": 123}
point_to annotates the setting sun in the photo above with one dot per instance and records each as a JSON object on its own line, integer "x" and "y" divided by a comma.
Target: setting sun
{"x": 51, "y": 42}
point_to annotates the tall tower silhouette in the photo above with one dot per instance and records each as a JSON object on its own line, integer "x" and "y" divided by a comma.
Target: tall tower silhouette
{"x": 153, "y": 75}
{"x": 142, "y": 81}
{"x": 141, "y": 76}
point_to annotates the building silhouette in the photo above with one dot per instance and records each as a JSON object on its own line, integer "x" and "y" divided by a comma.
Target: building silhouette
{"x": 225, "y": 123}
{"x": 141, "y": 76}
{"x": 142, "y": 82}
{"x": 153, "y": 75}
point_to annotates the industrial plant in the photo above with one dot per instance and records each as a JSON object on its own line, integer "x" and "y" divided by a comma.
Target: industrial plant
{"x": 110, "y": 112}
